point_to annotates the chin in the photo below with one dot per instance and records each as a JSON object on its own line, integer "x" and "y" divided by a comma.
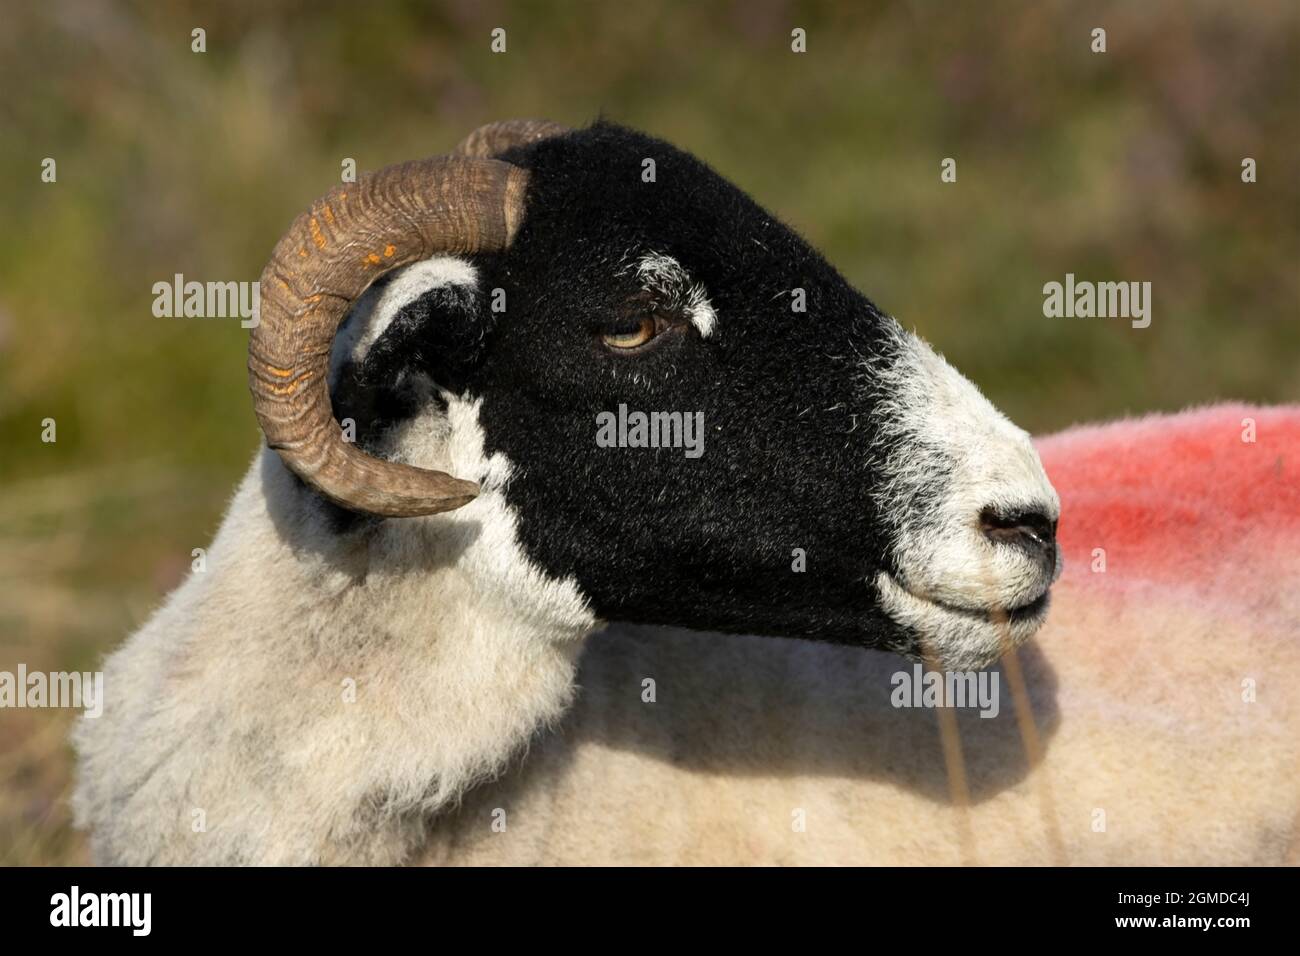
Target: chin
{"x": 959, "y": 638}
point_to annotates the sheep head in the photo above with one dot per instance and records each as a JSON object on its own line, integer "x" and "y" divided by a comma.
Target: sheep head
{"x": 849, "y": 484}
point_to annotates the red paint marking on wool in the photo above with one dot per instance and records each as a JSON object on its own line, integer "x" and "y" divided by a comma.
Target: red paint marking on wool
{"x": 1174, "y": 497}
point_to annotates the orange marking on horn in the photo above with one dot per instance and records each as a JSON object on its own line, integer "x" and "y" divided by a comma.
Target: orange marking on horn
{"x": 289, "y": 387}
{"x": 302, "y": 252}
{"x": 278, "y": 372}
{"x": 373, "y": 259}
{"x": 329, "y": 214}
{"x": 388, "y": 251}
{"x": 316, "y": 236}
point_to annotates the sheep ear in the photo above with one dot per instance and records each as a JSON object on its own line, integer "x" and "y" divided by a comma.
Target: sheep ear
{"x": 423, "y": 325}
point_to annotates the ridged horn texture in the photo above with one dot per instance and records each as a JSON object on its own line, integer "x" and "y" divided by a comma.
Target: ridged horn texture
{"x": 492, "y": 140}
{"x": 329, "y": 256}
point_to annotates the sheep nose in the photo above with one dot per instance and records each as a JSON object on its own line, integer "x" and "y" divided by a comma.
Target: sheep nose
{"x": 1032, "y": 531}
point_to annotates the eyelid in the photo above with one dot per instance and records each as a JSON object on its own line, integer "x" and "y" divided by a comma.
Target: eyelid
{"x": 624, "y": 325}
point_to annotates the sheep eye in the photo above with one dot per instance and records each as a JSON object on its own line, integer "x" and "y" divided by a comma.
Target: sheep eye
{"x": 643, "y": 332}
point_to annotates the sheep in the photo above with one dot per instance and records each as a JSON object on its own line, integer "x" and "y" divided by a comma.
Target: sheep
{"x": 397, "y": 601}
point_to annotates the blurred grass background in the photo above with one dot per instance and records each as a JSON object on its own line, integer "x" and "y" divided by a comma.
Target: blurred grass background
{"x": 1119, "y": 166}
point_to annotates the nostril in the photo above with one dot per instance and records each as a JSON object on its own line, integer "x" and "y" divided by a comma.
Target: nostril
{"x": 1028, "y": 529}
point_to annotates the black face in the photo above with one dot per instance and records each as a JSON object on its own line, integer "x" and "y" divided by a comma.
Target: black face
{"x": 651, "y": 534}
{"x": 607, "y": 287}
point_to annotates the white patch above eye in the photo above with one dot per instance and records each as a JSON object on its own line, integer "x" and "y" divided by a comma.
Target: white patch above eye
{"x": 663, "y": 276}
{"x": 371, "y": 314}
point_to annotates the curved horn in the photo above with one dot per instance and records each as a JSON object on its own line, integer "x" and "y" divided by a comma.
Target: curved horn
{"x": 329, "y": 256}
{"x": 494, "y": 139}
